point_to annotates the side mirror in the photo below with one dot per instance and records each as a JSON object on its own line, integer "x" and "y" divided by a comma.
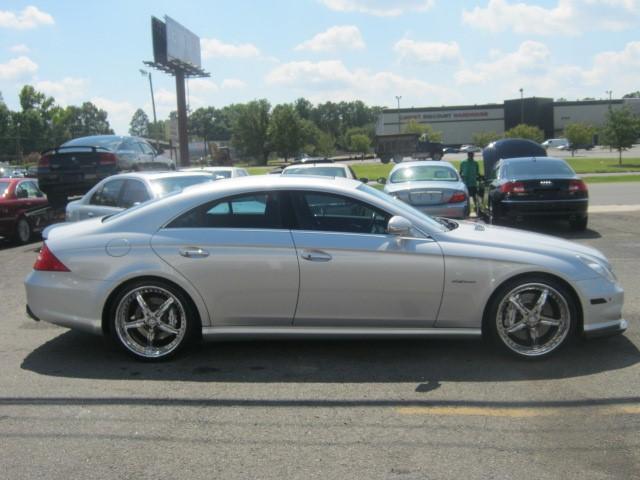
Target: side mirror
{"x": 364, "y": 180}
{"x": 399, "y": 226}
{"x": 381, "y": 180}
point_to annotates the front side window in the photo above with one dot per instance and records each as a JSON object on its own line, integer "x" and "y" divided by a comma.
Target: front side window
{"x": 256, "y": 210}
{"x": 336, "y": 213}
{"x": 107, "y": 195}
{"x": 32, "y": 190}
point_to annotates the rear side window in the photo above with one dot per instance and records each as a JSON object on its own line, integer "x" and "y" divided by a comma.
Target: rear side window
{"x": 134, "y": 192}
{"x": 108, "y": 194}
{"x": 256, "y": 210}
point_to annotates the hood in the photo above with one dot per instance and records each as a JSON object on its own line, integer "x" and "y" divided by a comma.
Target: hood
{"x": 423, "y": 185}
{"x": 524, "y": 241}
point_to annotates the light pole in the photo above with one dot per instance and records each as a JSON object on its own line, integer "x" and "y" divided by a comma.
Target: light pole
{"x": 610, "y": 93}
{"x": 153, "y": 103}
{"x": 521, "y": 106}
{"x": 398, "y": 97}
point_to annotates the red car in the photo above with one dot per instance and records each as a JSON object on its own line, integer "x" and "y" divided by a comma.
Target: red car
{"x": 24, "y": 209}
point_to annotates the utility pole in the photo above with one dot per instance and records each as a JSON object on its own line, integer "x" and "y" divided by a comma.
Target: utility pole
{"x": 153, "y": 105}
{"x": 398, "y": 97}
{"x": 610, "y": 93}
{"x": 521, "y": 106}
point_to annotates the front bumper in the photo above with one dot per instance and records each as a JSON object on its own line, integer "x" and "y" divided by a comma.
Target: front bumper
{"x": 602, "y": 303}
{"x": 606, "y": 329}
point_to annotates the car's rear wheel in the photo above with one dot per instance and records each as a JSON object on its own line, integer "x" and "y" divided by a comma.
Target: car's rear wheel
{"x": 579, "y": 224}
{"x": 23, "y": 231}
{"x": 152, "y": 320}
{"x": 532, "y": 316}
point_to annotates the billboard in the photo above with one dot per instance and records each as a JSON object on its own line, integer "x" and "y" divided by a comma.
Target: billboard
{"x": 182, "y": 45}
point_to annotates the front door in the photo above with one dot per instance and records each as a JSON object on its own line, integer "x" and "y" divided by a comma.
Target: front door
{"x": 354, "y": 274}
{"x": 237, "y": 254}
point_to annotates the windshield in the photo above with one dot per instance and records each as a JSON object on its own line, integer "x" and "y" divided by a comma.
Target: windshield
{"x": 3, "y": 188}
{"x": 106, "y": 141}
{"x": 537, "y": 167}
{"x": 421, "y": 173}
{"x": 319, "y": 171}
{"x": 403, "y": 207}
{"x": 164, "y": 186}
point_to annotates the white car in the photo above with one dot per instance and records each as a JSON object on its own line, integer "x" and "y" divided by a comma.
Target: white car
{"x": 470, "y": 148}
{"x": 322, "y": 169}
{"x": 298, "y": 256}
{"x": 219, "y": 172}
{"x": 119, "y": 192}
{"x": 559, "y": 143}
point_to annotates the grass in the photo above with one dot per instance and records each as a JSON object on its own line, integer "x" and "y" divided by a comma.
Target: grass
{"x": 603, "y": 165}
{"x": 613, "y": 179}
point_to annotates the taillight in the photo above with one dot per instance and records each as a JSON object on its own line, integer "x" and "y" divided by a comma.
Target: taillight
{"x": 107, "y": 158}
{"x": 458, "y": 197}
{"x": 48, "y": 262}
{"x": 44, "y": 161}
{"x": 577, "y": 186}
{"x": 512, "y": 187}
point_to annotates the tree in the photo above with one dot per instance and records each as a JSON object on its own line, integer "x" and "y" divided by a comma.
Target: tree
{"x": 482, "y": 139}
{"x": 250, "y": 129}
{"x": 139, "y": 126}
{"x": 304, "y": 108}
{"x": 579, "y": 135}
{"x": 620, "y": 130}
{"x": 635, "y": 94}
{"x": 360, "y": 143}
{"x": 87, "y": 120}
{"x": 315, "y": 141}
{"x": 530, "y": 132}
{"x": 425, "y": 131}
{"x": 285, "y": 131}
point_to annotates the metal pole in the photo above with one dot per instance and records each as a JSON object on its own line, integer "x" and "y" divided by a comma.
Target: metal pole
{"x": 610, "y": 92}
{"x": 521, "y": 106}
{"x": 398, "y": 97}
{"x": 155, "y": 118}
{"x": 183, "y": 138}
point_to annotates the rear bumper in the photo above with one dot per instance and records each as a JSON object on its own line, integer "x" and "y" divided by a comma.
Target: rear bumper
{"x": 448, "y": 210}
{"x": 544, "y": 208}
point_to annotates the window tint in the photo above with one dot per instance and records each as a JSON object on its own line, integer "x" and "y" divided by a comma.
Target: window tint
{"x": 146, "y": 149}
{"x": 424, "y": 173}
{"x": 107, "y": 195}
{"x": 318, "y": 171}
{"x": 32, "y": 190}
{"x": 134, "y": 192}
{"x": 537, "y": 167}
{"x": 256, "y": 210}
{"x": 335, "y": 213}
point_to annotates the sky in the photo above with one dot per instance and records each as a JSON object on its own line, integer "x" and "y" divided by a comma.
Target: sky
{"x": 428, "y": 52}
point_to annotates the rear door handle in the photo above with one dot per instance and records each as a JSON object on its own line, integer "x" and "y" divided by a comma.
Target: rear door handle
{"x": 194, "y": 252}
{"x": 315, "y": 256}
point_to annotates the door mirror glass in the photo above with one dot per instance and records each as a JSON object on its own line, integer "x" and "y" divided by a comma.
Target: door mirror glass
{"x": 399, "y": 226}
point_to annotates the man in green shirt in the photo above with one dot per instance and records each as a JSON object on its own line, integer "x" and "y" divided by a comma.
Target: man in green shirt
{"x": 469, "y": 172}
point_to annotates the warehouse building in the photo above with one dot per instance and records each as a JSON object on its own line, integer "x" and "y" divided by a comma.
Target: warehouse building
{"x": 458, "y": 124}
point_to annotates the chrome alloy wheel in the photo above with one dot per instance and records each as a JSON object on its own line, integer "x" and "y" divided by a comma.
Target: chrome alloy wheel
{"x": 533, "y": 319}
{"x": 150, "y": 321}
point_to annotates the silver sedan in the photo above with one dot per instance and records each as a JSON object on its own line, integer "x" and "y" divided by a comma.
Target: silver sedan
{"x": 433, "y": 187}
{"x": 291, "y": 256}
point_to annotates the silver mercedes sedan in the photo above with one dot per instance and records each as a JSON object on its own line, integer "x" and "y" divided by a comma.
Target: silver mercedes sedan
{"x": 287, "y": 256}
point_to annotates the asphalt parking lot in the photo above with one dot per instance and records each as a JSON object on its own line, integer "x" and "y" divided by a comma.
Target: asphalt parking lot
{"x": 73, "y": 405}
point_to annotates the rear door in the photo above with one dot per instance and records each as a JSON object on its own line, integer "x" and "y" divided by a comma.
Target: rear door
{"x": 104, "y": 201}
{"x": 354, "y": 274}
{"x": 239, "y": 256}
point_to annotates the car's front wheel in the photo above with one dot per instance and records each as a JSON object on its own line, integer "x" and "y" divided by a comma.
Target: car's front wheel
{"x": 532, "y": 316}
{"x": 23, "y": 231}
{"x": 152, "y": 320}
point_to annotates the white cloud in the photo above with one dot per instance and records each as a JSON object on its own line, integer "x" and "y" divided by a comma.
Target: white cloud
{"x": 214, "y": 48}
{"x": 345, "y": 37}
{"x": 427, "y": 52}
{"x": 166, "y": 97}
{"x": 233, "y": 83}
{"x": 66, "y": 91}
{"x": 119, "y": 113}
{"x": 332, "y": 80}
{"x": 379, "y": 8}
{"x": 567, "y": 17}
{"x": 20, "y": 48}
{"x": 17, "y": 68}
{"x": 30, "y": 17}
{"x": 202, "y": 85}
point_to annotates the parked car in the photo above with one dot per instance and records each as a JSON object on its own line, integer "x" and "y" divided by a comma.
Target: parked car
{"x": 433, "y": 187}
{"x": 125, "y": 190}
{"x": 292, "y": 256}
{"x": 219, "y": 172}
{"x": 77, "y": 165}
{"x": 560, "y": 143}
{"x": 23, "y": 209}
{"x": 11, "y": 171}
{"x": 322, "y": 169}
{"x": 470, "y": 148}
{"x": 447, "y": 150}
{"x": 535, "y": 187}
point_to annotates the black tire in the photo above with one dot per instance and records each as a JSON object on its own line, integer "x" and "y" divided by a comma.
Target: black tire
{"x": 183, "y": 318}
{"x": 492, "y": 218}
{"x": 560, "y": 306}
{"x": 385, "y": 160}
{"x": 23, "y": 231}
{"x": 579, "y": 224}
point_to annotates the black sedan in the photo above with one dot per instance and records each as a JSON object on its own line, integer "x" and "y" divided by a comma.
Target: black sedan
{"x": 526, "y": 187}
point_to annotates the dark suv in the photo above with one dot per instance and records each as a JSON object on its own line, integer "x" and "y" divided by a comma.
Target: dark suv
{"x": 77, "y": 165}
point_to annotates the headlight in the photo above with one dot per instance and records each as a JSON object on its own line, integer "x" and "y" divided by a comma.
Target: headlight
{"x": 599, "y": 267}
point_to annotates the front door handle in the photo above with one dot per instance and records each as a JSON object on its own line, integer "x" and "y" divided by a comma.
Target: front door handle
{"x": 315, "y": 255}
{"x": 194, "y": 252}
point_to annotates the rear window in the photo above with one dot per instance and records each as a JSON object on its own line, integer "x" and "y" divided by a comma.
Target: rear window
{"x": 424, "y": 173}
{"x": 537, "y": 167}
{"x": 319, "y": 171}
{"x": 217, "y": 174}
{"x": 105, "y": 141}
{"x": 3, "y": 188}
{"x": 164, "y": 186}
